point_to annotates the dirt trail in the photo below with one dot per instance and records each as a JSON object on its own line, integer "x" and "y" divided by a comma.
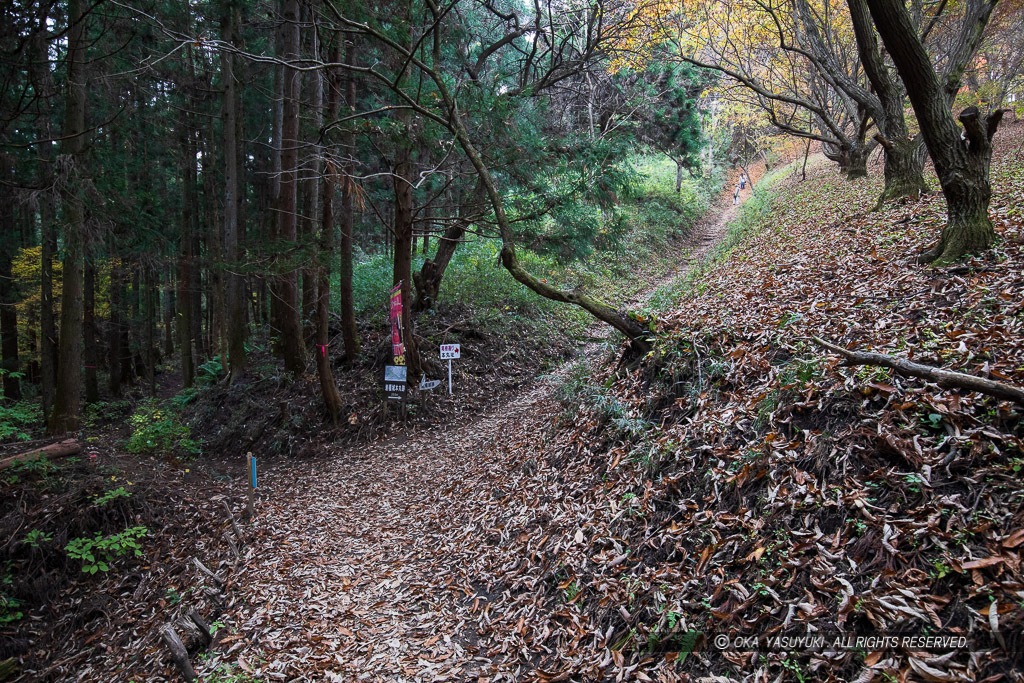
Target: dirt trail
{"x": 371, "y": 563}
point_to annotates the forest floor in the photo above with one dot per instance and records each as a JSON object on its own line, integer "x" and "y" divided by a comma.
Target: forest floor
{"x": 737, "y": 480}
{"x": 59, "y": 623}
{"x": 358, "y": 565}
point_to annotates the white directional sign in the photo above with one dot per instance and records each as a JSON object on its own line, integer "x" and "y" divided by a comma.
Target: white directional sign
{"x": 428, "y": 384}
{"x": 449, "y": 352}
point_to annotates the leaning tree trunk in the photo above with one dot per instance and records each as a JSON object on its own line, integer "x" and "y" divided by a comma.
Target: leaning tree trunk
{"x": 961, "y": 160}
{"x": 428, "y": 279}
{"x": 620, "y": 320}
{"x": 67, "y": 399}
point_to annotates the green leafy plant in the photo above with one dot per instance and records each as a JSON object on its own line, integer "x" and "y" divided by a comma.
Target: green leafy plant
{"x": 211, "y": 371}
{"x": 794, "y": 667}
{"x": 227, "y": 673}
{"x": 15, "y": 419}
{"x": 36, "y": 537}
{"x": 9, "y": 612}
{"x": 99, "y": 552}
{"x": 158, "y": 430}
{"x": 113, "y": 494}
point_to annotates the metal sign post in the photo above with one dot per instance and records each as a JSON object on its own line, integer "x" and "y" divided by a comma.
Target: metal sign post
{"x": 450, "y": 352}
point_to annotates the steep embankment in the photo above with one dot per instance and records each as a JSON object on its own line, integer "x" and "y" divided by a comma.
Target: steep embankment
{"x": 742, "y": 481}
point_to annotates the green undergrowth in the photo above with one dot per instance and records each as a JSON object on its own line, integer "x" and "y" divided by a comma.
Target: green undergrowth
{"x": 17, "y": 420}
{"x": 157, "y": 429}
{"x": 635, "y": 240}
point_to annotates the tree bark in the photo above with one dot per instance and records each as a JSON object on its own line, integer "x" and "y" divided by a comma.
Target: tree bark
{"x": 114, "y": 331}
{"x": 184, "y": 290}
{"x": 349, "y": 331}
{"x": 290, "y": 331}
{"x": 313, "y": 85}
{"x": 149, "y": 291}
{"x": 961, "y": 161}
{"x": 8, "y": 288}
{"x": 91, "y": 354}
{"x": 235, "y": 303}
{"x": 403, "y": 230}
{"x": 67, "y": 398}
{"x": 168, "y": 308}
{"x": 332, "y": 399}
{"x": 43, "y": 81}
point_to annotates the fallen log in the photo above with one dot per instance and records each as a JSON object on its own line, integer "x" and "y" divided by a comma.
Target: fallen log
{"x": 944, "y": 378}
{"x": 61, "y": 449}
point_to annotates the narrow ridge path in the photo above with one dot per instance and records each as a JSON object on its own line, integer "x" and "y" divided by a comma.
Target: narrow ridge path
{"x": 373, "y": 563}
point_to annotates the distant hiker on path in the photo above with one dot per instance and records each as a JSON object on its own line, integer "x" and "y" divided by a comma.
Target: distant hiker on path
{"x": 736, "y": 194}
{"x": 743, "y": 181}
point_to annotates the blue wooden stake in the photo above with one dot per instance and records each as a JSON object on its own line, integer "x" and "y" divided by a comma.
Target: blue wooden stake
{"x": 252, "y": 484}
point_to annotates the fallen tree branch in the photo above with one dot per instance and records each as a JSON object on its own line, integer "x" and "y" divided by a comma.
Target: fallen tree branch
{"x": 944, "y": 378}
{"x": 203, "y": 569}
{"x": 178, "y": 652}
{"x": 234, "y": 522}
{"x": 61, "y": 449}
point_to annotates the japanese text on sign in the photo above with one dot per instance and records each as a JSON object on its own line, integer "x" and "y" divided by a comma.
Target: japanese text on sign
{"x": 397, "y": 344}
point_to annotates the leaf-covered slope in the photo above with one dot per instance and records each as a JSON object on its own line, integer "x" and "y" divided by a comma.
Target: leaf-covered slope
{"x": 741, "y": 480}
